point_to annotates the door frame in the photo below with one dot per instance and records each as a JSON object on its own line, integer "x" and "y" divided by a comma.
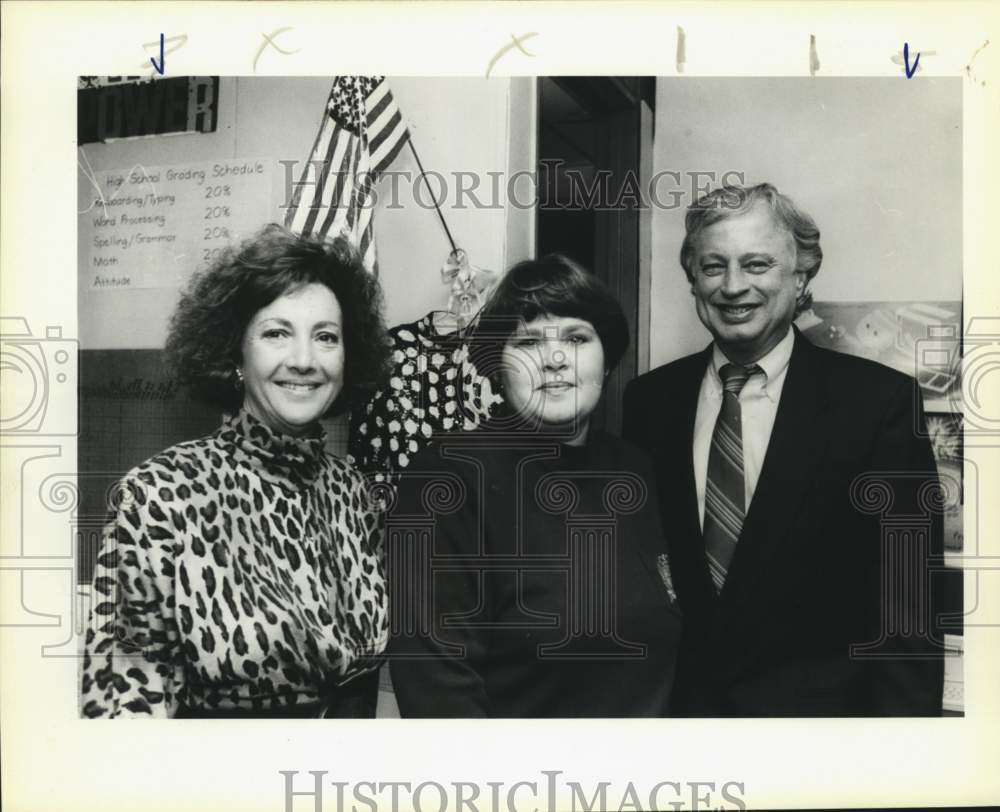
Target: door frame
{"x": 623, "y": 108}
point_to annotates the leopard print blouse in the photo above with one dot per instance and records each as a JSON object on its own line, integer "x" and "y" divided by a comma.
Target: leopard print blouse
{"x": 242, "y": 572}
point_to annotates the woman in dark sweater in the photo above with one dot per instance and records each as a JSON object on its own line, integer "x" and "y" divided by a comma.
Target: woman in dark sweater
{"x": 527, "y": 566}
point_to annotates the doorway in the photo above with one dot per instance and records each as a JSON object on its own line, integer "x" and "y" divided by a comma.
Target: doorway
{"x": 594, "y": 151}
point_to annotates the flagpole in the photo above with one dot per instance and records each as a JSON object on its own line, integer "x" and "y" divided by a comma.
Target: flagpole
{"x": 423, "y": 174}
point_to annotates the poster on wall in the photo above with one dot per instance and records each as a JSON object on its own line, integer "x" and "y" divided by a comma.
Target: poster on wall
{"x": 151, "y": 227}
{"x": 921, "y": 339}
{"x": 945, "y": 431}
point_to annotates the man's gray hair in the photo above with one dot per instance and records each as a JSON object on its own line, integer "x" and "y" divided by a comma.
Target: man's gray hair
{"x": 730, "y": 201}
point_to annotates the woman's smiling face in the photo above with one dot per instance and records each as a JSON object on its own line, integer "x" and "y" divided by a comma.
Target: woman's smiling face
{"x": 293, "y": 359}
{"x": 553, "y": 373}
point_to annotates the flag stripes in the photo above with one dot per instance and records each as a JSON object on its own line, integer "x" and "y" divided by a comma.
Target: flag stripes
{"x": 361, "y": 133}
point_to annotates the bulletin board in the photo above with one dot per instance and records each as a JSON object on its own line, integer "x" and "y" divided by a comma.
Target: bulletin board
{"x": 162, "y": 192}
{"x": 150, "y": 227}
{"x": 130, "y": 409}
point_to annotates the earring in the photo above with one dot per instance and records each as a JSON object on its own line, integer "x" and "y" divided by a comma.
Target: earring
{"x": 238, "y": 383}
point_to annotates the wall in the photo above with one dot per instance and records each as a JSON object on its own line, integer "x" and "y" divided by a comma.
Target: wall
{"x": 458, "y": 125}
{"x": 470, "y": 125}
{"x": 876, "y": 162}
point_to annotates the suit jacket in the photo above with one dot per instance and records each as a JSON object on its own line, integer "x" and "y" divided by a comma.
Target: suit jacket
{"x": 837, "y": 548}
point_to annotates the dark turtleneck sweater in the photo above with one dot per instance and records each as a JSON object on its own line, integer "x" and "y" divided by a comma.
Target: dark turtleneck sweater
{"x": 525, "y": 580}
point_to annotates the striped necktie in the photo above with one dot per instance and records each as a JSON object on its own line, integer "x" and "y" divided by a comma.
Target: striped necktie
{"x": 725, "y": 488}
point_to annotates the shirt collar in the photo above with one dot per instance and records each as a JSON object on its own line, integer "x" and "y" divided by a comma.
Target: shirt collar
{"x": 773, "y": 364}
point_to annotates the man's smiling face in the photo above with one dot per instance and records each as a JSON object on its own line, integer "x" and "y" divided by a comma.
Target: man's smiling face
{"x": 744, "y": 282}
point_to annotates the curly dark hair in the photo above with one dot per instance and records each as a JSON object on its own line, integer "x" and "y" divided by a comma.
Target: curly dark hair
{"x": 553, "y": 285}
{"x": 207, "y": 327}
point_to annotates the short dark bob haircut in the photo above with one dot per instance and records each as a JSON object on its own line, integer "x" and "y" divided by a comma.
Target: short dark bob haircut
{"x": 553, "y": 285}
{"x": 206, "y": 332}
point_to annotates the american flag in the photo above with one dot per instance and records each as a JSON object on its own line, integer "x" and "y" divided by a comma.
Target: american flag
{"x": 361, "y": 133}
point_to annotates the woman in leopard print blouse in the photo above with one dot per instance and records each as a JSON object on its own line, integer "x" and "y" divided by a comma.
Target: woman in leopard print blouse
{"x": 242, "y": 573}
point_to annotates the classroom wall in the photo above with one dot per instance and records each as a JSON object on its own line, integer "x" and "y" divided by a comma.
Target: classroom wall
{"x": 463, "y": 125}
{"x": 876, "y": 162}
{"x": 469, "y": 125}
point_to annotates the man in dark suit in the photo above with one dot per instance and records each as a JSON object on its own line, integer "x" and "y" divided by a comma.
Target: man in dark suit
{"x": 797, "y": 490}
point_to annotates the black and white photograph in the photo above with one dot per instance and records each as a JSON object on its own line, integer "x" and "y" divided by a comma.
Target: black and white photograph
{"x": 531, "y": 501}
{"x": 504, "y": 410}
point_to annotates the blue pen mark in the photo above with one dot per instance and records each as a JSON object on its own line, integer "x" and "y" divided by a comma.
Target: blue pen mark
{"x": 906, "y": 61}
{"x": 902, "y": 59}
{"x": 163, "y": 62}
{"x": 179, "y": 39}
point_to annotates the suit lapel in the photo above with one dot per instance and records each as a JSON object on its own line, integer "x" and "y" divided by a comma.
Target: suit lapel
{"x": 678, "y": 496}
{"x": 794, "y": 454}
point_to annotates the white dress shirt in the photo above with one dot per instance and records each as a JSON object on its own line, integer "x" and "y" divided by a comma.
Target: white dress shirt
{"x": 758, "y": 407}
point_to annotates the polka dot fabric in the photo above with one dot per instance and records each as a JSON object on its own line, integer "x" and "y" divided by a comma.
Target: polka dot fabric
{"x": 434, "y": 388}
